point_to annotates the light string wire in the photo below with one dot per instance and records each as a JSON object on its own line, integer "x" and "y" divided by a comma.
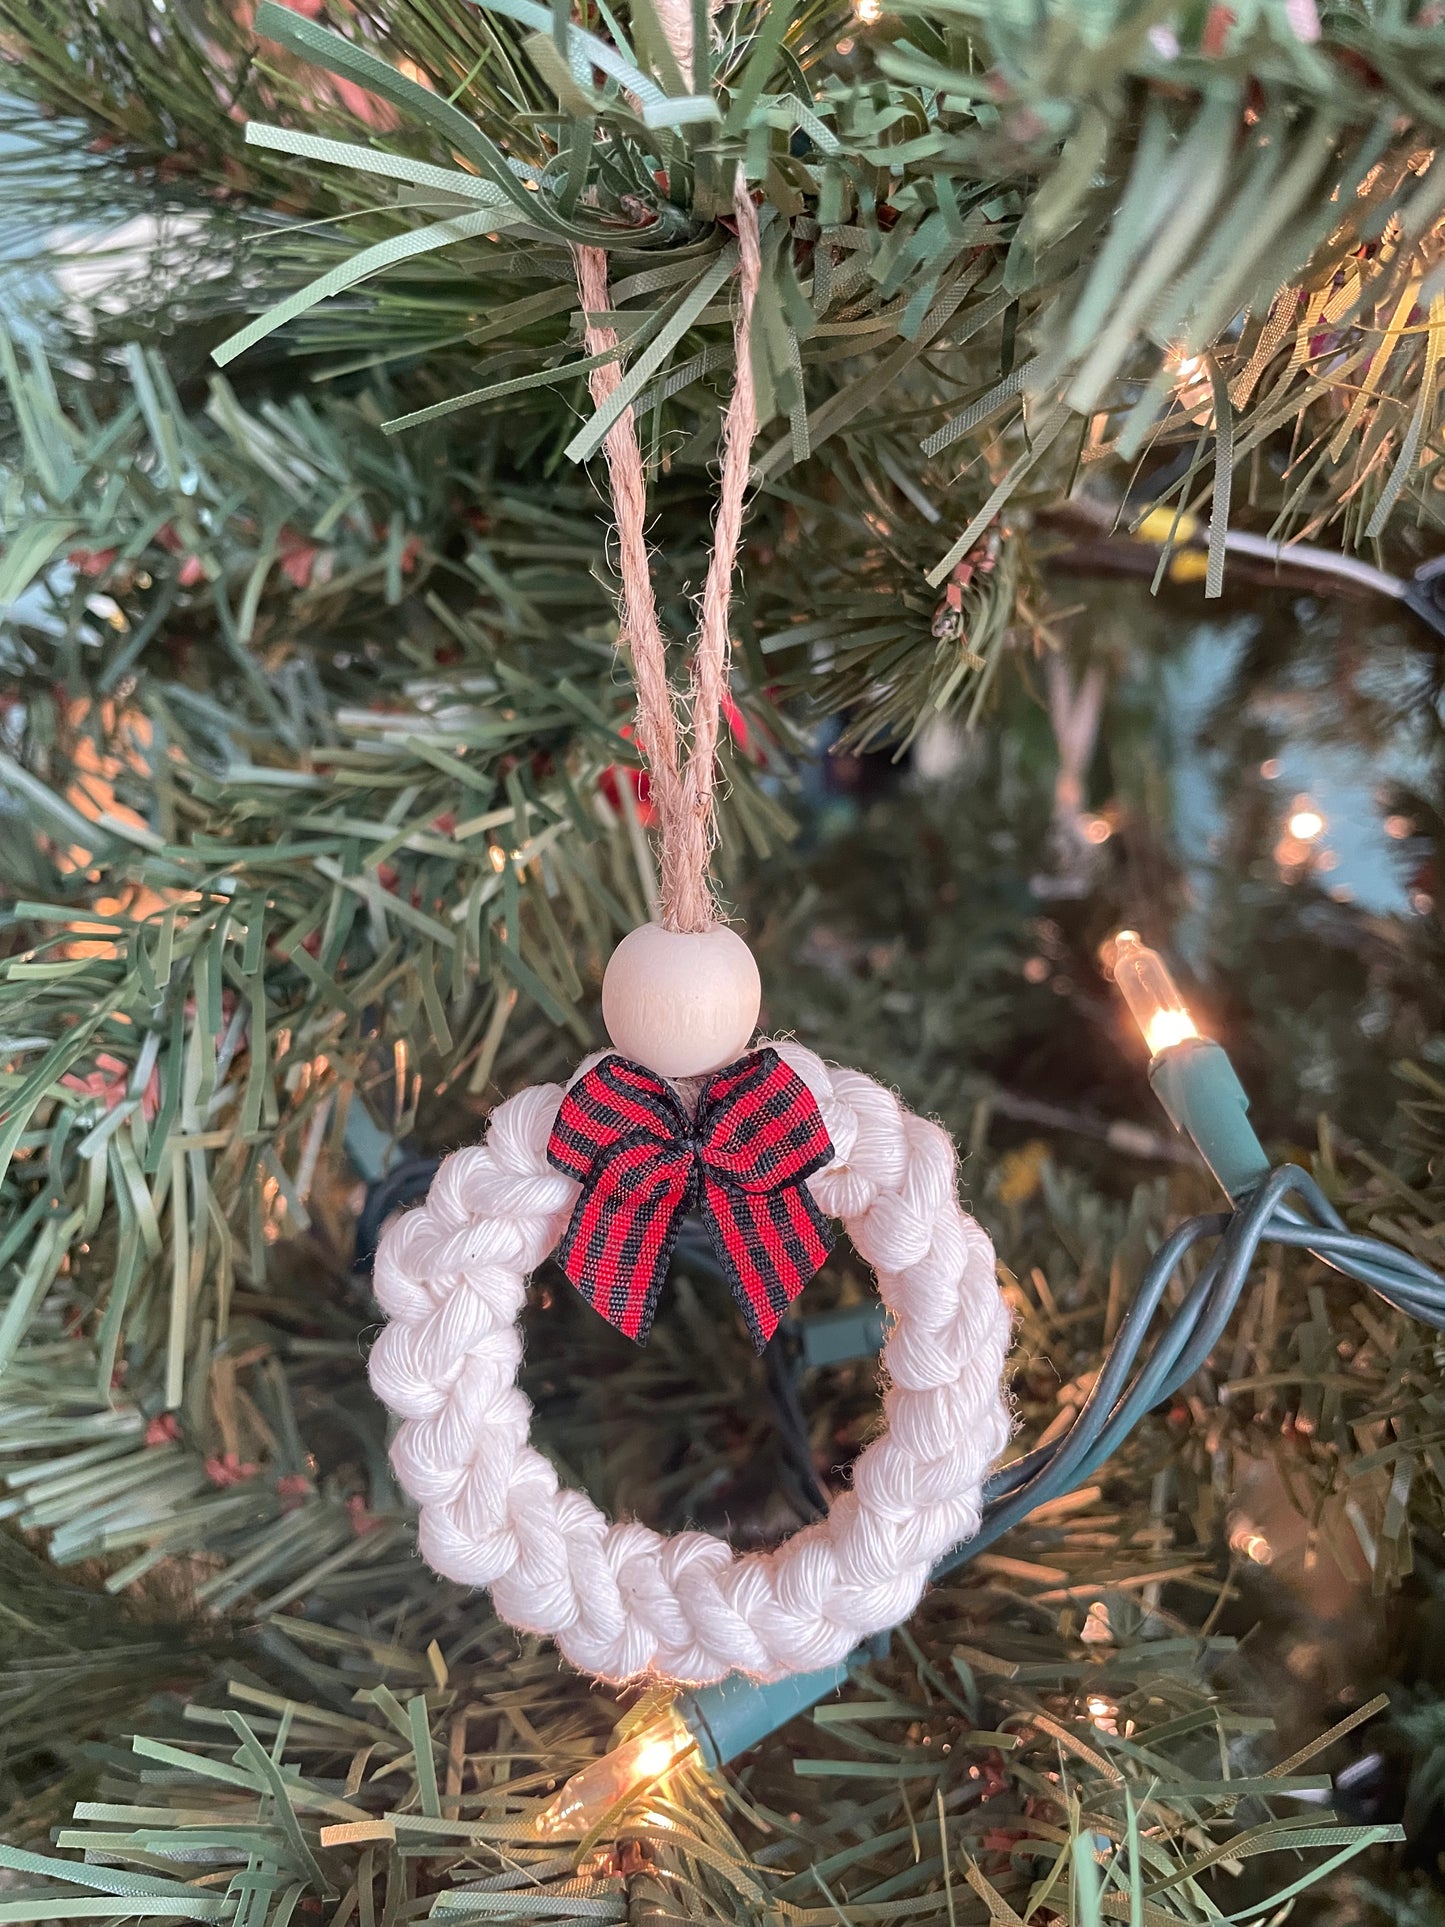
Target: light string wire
{"x": 1287, "y": 1207}
{"x": 1117, "y": 1403}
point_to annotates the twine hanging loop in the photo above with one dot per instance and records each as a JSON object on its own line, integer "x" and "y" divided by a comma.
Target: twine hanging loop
{"x": 683, "y": 785}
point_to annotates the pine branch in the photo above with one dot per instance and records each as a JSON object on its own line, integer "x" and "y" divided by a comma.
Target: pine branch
{"x": 1123, "y": 231}
{"x": 261, "y": 841}
{"x": 342, "y": 1768}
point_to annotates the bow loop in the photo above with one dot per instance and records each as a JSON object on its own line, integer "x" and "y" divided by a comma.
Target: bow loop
{"x": 759, "y": 1126}
{"x": 643, "y": 1164}
{"x": 615, "y": 1100}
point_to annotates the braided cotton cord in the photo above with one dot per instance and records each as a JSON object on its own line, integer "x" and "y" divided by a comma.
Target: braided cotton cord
{"x": 621, "y": 1600}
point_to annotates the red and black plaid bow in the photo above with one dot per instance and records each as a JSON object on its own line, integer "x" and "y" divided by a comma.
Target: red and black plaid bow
{"x": 644, "y": 1164}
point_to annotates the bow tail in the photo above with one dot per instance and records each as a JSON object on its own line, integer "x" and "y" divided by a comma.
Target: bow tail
{"x": 769, "y": 1244}
{"x": 617, "y": 1247}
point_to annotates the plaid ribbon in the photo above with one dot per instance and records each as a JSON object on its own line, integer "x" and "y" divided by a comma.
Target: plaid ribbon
{"x": 644, "y": 1164}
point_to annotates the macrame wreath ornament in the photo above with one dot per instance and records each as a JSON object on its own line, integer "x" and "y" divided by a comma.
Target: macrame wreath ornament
{"x": 623, "y": 1601}
{"x": 766, "y": 1146}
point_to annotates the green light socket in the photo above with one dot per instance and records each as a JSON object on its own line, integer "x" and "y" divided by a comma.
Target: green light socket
{"x": 1196, "y": 1084}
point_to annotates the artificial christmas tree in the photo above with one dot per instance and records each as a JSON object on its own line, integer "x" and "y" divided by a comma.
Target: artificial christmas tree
{"x": 325, "y": 808}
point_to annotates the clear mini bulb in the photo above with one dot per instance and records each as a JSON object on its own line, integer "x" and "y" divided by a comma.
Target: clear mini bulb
{"x": 1151, "y": 993}
{"x": 591, "y": 1794}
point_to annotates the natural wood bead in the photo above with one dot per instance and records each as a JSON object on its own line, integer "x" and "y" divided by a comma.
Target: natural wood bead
{"x": 680, "y": 1003}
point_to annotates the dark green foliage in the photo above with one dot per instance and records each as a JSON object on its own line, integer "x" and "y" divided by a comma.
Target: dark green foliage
{"x": 320, "y": 818}
{"x": 380, "y": 1778}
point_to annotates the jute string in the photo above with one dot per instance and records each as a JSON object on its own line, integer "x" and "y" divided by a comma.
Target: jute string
{"x": 683, "y": 787}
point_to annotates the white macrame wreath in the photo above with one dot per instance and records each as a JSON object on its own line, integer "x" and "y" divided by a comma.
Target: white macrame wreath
{"x": 622, "y": 1601}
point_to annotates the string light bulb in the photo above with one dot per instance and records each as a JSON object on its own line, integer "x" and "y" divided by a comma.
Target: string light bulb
{"x": 1193, "y": 389}
{"x": 1306, "y": 823}
{"x": 1190, "y": 1074}
{"x": 631, "y": 1768}
{"x": 1151, "y": 993}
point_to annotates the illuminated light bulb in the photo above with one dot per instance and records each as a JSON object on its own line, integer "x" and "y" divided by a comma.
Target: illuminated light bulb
{"x": 868, "y": 12}
{"x": 1306, "y": 823}
{"x": 1151, "y": 994}
{"x": 1190, "y": 375}
{"x": 1249, "y": 1540}
{"x": 589, "y": 1796}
